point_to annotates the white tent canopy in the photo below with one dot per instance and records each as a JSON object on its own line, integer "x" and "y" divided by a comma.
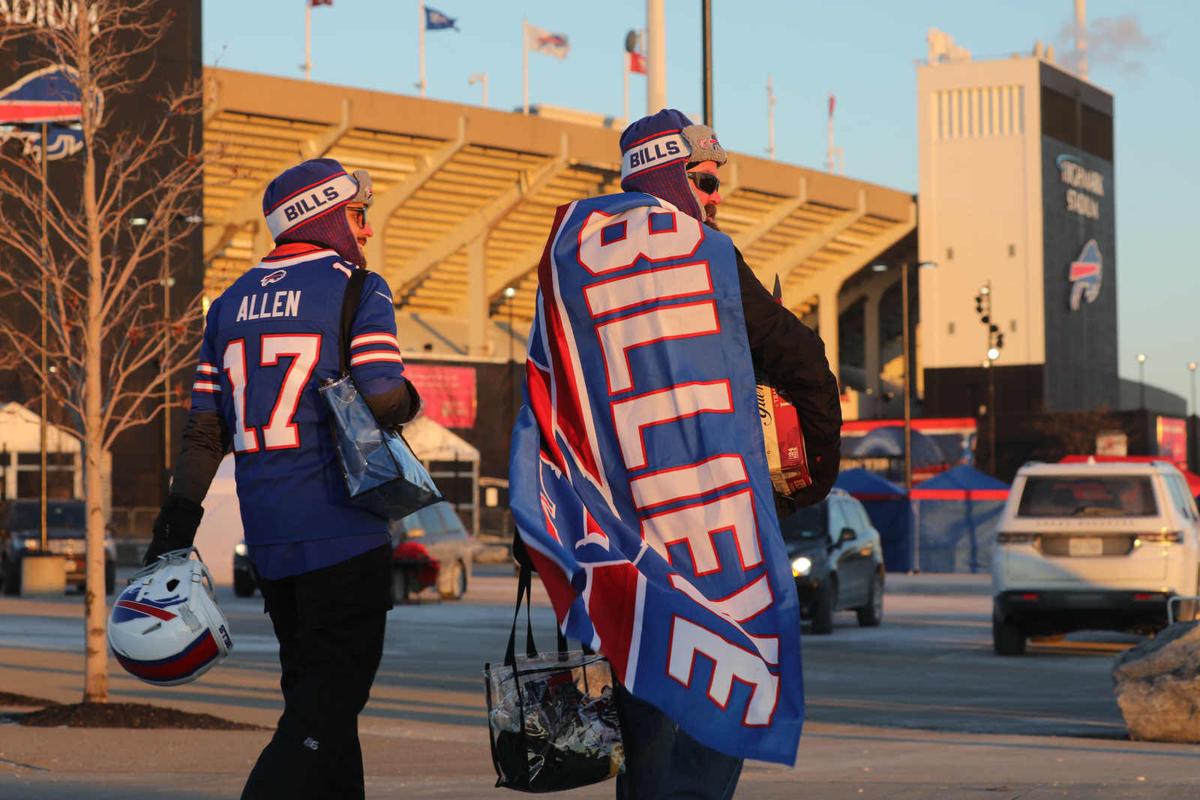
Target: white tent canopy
{"x": 432, "y": 442}
{"x": 20, "y": 434}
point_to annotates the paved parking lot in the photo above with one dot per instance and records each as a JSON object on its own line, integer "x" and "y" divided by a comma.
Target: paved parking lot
{"x": 919, "y": 707}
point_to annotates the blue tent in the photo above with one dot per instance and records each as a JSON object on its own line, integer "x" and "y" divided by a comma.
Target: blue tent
{"x": 890, "y": 513}
{"x": 957, "y": 515}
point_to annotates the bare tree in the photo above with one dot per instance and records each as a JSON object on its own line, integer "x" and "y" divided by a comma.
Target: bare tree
{"x": 89, "y": 259}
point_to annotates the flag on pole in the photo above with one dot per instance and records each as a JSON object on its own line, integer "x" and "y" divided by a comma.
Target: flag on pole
{"x": 315, "y": 3}
{"x": 832, "y": 103}
{"x": 435, "y": 20}
{"x": 541, "y": 40}
{"x": 635, "y": 62}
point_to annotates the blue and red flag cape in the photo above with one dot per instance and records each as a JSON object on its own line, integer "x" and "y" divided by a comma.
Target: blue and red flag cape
{"x": 639, "y": 480}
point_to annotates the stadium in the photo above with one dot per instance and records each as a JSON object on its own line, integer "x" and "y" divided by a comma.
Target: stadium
{"x": 465, "y": 195}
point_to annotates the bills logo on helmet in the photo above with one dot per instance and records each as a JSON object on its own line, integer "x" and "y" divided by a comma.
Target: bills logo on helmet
{"x": 48, "y": 97}
{"x": 166, "y": 628}
{"x": 274, "y": 277}
{"x": 1085, "y": 275}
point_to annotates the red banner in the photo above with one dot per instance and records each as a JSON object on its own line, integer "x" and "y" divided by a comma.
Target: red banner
{"x": 1173, "y": 440}
{"x": 447, "y": 393}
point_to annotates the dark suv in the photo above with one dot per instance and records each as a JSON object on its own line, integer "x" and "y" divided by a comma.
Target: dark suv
{"x": 66, "y": 535}
{"x": 837, "y": 561}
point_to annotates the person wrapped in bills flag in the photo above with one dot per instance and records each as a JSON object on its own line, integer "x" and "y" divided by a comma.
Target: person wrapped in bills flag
{"x": 639, "y": 473}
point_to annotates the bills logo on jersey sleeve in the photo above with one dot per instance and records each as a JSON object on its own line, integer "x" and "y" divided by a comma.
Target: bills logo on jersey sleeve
{"x": 639, "y": 480}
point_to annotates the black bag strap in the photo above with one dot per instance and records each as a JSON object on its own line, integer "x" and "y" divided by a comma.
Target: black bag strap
{"x": 524, "y": 592}
{"x": 350, "y": 302}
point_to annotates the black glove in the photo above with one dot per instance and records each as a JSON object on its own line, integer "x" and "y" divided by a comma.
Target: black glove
{"x": 175, "y": 527}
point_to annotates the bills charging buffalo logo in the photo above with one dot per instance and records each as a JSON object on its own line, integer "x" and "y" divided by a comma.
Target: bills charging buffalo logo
{"x": 1085, "y": 275}
{"x": 48, "y": 97}
{"x": 274, "y": 277}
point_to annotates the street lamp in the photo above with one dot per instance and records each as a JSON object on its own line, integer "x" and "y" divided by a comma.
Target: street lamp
{"x": 1141, "y": 359}
{"x": 482, "y": 78}
{"x": 509, "y": 293}
{"x": 995, "y": 343}
{"x": 1192, "y": 369}
{"x": 904, "y": 360}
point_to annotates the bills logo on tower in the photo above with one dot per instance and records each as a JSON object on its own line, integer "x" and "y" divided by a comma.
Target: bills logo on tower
{"x": 48, "y": 97}
{"x": 1085, "y": 275}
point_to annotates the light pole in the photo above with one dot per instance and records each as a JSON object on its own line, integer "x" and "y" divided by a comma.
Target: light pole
{"x": 995, "y": 343}
{"x": 44, "y": 505}
{"x": 1192, "y": 369}
{"x": 167, "y": 282}
{"x": 1141, "y": 359}
{"x": 904, "y": 361}
{"x": 509, "y": 293}
{"x": 482, "y": 78}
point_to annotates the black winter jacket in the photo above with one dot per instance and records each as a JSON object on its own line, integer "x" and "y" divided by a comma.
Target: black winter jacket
{"x": 792, "y": 357}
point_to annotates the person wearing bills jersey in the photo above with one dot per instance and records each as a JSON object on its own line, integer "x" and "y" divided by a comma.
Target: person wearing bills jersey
{"x": 668, "y": 156}
{"x": 324, "y": 565}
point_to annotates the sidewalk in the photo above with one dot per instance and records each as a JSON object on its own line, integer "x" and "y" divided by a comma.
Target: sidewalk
{"x": 835, "y": 762}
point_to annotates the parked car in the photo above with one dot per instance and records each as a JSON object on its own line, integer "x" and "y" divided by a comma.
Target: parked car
{"x": 66, "y": 535}
{"x": 1089, "y": 546}
{"x": 245, "y": 580}
{"x": 837, "y": 561}
{"x": 430, "y": 548}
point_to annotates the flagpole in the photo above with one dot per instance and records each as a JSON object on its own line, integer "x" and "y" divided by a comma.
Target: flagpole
{"x": 626, "y": 76}
{"x": 770, "y": 119}
{"x": 421, "y": 44}
{"x": 525, "y": 66}
{"x": 308, "y": 40}
{"x": 656, "y": 57}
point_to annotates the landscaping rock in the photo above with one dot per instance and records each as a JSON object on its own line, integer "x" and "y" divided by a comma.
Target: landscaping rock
{"x": 1157, "y": 685}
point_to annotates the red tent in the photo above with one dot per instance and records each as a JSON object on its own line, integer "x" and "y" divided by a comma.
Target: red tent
{"x": 1192, "y": 478}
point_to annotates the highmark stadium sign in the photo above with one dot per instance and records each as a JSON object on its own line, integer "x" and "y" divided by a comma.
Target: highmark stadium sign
{"x": 56, "y": 14}
{"x": 1085, "y": 186}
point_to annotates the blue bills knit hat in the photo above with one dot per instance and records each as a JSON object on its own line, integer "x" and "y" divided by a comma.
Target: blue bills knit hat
{"x": 303, "y": 204}
{"x": 656, "y": 152}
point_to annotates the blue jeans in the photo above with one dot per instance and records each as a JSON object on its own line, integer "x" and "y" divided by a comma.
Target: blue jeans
{"x": 664, "y": 763}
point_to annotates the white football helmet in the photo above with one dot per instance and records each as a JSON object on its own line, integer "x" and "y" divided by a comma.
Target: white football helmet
{"x": 166, "y": 628}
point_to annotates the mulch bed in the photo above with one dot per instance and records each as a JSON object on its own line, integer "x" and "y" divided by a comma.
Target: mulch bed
{"x": 111, "y": 715}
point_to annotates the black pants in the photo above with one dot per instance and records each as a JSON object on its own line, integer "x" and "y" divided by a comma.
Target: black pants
{"x": 663, "y": 763}
{"x": 330, "y": 626}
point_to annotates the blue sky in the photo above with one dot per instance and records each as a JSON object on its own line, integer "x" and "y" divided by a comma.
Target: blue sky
{"x": 864, "y": 51}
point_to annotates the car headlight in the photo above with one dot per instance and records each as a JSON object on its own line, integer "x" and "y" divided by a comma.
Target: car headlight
{"x": 239, "y": 549}
{"x": 801, "y": 566}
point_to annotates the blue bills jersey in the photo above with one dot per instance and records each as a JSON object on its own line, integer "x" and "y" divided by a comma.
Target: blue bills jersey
{"x": 270, "y": 341}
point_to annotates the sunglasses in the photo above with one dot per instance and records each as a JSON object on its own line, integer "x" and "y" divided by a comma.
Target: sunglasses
{"x": 705, "y": 181}
{"x": 360, "y": 214}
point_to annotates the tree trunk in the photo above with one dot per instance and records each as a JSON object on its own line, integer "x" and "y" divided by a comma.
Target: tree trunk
{"x": 95, "y": 681}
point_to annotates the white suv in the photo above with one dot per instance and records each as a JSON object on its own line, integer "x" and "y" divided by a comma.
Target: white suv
{"x": 1093, "y": 546}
